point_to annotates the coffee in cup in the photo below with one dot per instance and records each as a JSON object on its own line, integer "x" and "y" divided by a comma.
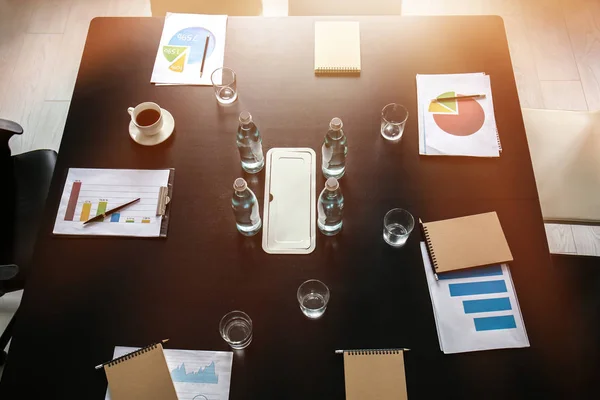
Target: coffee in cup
{"x": 147, "y": 117}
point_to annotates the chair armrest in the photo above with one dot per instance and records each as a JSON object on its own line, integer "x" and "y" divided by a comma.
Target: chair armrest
{"x": 9, "y": 128}
{"x": 8, "y": 271}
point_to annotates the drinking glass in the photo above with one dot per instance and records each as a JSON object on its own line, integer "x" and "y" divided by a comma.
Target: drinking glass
{"x": 224, "y": 83}
{"x": 393, "y": 119}
{"x": 313, "y": 297}
{"x": 397, "y": 226}
{"x": 236, "y": 329}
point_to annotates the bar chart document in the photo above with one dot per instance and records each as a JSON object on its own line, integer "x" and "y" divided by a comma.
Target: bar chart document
{"x": 475, "y": 309}
{"x": 196, "y": 374}
{"x": 91, "y": 192}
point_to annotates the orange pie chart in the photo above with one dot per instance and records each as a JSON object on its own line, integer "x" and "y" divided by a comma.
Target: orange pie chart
{"x": 458, "y": 117}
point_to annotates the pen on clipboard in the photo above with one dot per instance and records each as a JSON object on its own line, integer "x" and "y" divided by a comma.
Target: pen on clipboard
{"x": 204, "y": 55}
{"x": 101, "y": 217}
{"x": 125, "y": 355}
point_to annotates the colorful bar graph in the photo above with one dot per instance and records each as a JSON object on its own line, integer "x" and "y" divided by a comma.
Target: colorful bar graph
{"x": 495, "y": 323}
{"x": 486, "y": 305}
{"x": 472, "y": 288}
{"x": 101, "y": 208}
{"x": 145, "y": 220}
{"x": 72, "y": 204}
{"x": 85, "y": 211}
{"x": 115, "y": 217}
{"x": 493, "y": 270}
{"x": 129, "y": 221}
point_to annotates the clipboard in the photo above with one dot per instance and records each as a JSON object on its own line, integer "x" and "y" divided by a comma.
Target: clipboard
{"x": 89, "y": 192}
{"x": 163, "y": 208}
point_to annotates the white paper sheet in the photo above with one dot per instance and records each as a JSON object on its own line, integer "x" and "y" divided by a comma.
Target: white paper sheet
{"x": 89, "y": 191}
{"x": 457, "y": 128}
{"x": 475, "y": 309}
{"x": 196, "y": 374}
{"x": 181, "y": 49}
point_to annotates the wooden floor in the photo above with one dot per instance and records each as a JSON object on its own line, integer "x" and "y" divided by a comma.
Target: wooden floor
{"x": 554, "y": 45}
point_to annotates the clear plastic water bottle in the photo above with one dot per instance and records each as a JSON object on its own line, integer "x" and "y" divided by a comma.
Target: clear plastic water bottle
{"x": 334, "y": 150}
{"x": 330, "y": 208}
{"x": 245, "y": 208}
{"x": 249, "y": 144}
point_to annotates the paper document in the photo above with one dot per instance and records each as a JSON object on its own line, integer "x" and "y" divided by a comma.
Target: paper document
{"x": 91, "y": 192}
{"x": 197, "y": 375}
{"x": 181, "y": 49}
{"x": 464, "y": 127}
{"x": 475, "y": 309}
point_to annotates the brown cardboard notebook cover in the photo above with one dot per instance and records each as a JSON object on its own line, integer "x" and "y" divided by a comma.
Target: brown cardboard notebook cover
{"x": 375, "y": 375}
{"x": 143, "y": 374}
{"x": 466, "y": 242}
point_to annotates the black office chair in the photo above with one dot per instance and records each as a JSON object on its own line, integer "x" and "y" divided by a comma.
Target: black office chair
{"x": 24, "y": 181}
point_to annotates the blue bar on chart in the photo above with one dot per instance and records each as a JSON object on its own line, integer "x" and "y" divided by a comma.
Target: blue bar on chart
{"x": 472, "y": 288}
{"x": 115, "y": 217}
{"x": 495, "y": 323}
{"x": 486, "y": 305}
{"x": 493, "y": 270}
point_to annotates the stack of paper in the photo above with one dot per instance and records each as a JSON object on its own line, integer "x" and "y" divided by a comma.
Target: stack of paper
{"x": 475, "y": 309}
{"x": 182, "y": 49}
{"x": 464, "y": 127}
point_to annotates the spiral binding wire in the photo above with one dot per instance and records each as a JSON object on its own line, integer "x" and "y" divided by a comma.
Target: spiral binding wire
{"x": 373, "y": 352}
{"x": 338, "y": 70}
{"x": 498, "y": 140}
{"x": 131, "y": 355}
{"x": 430, "y": 247}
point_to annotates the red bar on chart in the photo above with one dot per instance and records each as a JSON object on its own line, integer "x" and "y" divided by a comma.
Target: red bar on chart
{"x": 72, "y": 204}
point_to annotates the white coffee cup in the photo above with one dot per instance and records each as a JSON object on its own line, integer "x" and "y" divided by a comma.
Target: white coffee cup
{"x": 151, "y": 129}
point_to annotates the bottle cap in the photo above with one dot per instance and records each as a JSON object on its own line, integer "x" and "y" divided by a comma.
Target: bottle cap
{"x": 332, "y": 184}
{"x": 336, "y": 124}
{"x": 245, "y": 117}
{"x": 240, "y": 185}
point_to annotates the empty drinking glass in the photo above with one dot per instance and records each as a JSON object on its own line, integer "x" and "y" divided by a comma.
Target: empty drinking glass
{"x": 224, "y": 83}
{"x": 393, "y": 119}
{"x": 313, "y": 297}
{"x": 397, "y": 226}
{"x": 236, "y": 328}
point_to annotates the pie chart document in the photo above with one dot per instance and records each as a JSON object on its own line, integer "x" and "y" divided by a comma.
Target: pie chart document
{"x": 182, "y": 49}
{"x": 465, "y": 127}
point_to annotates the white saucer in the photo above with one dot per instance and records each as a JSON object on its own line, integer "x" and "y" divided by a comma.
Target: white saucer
{"x": 164, "y": 134}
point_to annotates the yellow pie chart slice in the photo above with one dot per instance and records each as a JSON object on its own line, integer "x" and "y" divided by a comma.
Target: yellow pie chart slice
{"x": 178, "y": 65}
{"x": 448, "y": 106}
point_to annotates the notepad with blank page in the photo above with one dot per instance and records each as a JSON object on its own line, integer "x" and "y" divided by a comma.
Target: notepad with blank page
{"x": 375, "y": 375}
{"x": 337, "y": 47}
{"x": 142, "y": 374}
{"x": 466, "y": 242}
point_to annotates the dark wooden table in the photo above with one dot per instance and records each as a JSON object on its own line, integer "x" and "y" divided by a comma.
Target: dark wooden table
{"x": 86, "y": 296}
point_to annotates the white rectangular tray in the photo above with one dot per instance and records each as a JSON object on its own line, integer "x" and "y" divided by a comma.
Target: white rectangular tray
{"x": 289, "y": 225}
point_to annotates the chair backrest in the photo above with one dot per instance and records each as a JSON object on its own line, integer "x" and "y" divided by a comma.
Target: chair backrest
{"x": 222, "y": 7}
{"x": 7, "y": 199}
{"x": 565, "y": 152}
{"x": 344, "y": 7}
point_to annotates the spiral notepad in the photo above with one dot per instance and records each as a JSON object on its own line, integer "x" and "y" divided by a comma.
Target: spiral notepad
{"x": 337, "y": 47}
{"x": 466, "y": 242}
{"x": 142, "y": 374}
{"x": 375, "y": 374}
